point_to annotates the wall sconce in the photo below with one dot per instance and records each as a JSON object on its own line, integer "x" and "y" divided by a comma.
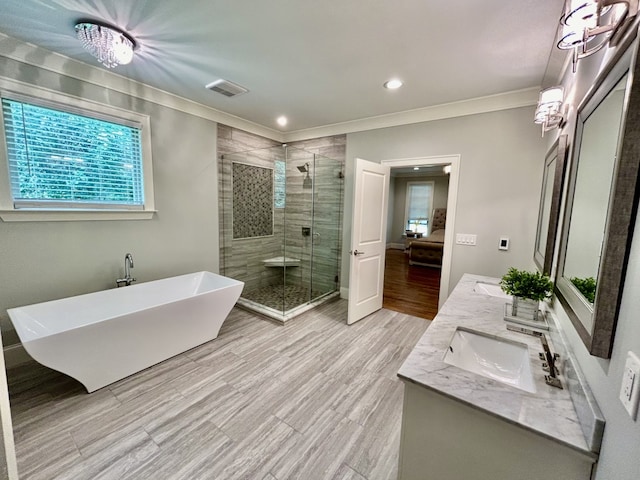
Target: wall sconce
{"x": 550, "y": 109}
{"x": 588, "y": 25}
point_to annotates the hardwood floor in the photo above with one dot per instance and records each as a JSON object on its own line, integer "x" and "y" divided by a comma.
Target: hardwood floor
{"x": 314, "y": 399}
{"x": 410, "y": 289}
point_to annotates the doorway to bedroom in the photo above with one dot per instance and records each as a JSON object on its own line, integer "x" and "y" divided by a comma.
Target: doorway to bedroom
{"x": 418, "y": 255}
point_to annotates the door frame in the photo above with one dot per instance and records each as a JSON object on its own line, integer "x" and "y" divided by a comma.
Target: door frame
{"x": 452, "y": 200}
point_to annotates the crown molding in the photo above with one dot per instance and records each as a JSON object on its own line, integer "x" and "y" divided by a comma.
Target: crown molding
{"x": 490, "y": 103}
{"x": 30, "y": 54}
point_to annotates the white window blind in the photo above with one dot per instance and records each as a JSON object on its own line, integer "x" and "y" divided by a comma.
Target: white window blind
{"x": 419, "y": 199}
{"x": 61, "y": 159}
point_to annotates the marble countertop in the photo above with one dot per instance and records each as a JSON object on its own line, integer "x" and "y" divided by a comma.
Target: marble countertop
{"x": 548, "y": 412}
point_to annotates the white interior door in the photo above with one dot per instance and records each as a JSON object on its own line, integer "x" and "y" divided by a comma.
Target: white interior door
{"x": 368, "y": 239}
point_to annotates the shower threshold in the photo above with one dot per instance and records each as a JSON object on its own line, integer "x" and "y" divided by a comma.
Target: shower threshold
{"x": 280, "y": 316}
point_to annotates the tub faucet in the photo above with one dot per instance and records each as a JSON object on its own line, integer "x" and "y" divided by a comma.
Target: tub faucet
{"x": 128, "y": 265}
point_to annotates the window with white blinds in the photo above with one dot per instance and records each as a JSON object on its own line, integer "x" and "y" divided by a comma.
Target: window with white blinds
{"x": 418, "y": 205}
{"x": 60, "y": 158}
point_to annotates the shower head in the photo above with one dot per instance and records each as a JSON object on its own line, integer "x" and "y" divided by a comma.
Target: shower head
{"x": 304, "y": 168}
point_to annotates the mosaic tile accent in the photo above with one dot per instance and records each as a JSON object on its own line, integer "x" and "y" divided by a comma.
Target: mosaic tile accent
{"x": 281, "y": 297}
{"x": 252, "y": 201}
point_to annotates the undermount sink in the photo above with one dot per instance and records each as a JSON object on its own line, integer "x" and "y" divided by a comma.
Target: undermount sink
{"x": 500, "y": 359}
{"x": 490, "y": 289}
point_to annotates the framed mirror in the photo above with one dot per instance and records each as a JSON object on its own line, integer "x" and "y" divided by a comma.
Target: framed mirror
{"x": 601, "y": 203}
{"x": 549, "y": 211}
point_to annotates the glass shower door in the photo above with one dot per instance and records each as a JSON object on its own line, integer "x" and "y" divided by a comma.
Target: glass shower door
{"x": 326, "y": 231}
{"x": 298, "y": 228}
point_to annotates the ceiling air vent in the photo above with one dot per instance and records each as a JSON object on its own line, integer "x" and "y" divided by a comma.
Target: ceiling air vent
{"x": 226, "y": 88}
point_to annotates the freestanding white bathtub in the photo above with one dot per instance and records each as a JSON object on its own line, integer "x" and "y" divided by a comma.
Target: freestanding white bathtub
{"x": 102, "y": 337}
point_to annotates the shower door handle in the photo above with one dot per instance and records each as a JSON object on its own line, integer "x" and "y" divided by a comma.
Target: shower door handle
{"x": 356, "y": 252}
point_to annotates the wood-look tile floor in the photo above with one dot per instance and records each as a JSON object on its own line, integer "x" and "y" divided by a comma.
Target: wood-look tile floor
{"x": 314, "y": 399}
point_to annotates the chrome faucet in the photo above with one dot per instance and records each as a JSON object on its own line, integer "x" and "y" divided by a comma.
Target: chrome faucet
{"x": 128, "y": 265}
{"x": 550, "y": 364}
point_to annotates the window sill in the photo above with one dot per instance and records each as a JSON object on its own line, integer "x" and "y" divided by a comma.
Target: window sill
{"x": 40, "y": 215}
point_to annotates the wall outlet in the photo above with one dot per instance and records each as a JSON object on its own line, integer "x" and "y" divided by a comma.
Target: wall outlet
{"x": 465, "y": 239}
{"x": 630, "y": 388}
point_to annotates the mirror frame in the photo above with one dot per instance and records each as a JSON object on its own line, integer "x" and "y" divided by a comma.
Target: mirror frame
{"x": 621, "y": 211}
{"x": 557, "y": 152}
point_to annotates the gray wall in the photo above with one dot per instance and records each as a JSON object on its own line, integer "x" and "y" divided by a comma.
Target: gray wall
{"x": 502, "y": 156}
{"x": 42, "y": 261}
{"x": 619, "y": 458}
{"x": 398, "y": 201}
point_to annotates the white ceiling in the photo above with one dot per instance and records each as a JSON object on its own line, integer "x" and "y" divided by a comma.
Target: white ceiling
{"x": 319, "y": 62}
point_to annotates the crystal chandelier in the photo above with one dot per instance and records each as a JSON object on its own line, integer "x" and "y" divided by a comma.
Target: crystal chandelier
{"x": 112, "y": 47}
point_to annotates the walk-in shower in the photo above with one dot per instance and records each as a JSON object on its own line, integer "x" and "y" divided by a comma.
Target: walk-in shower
{"x": 281, "y": 228}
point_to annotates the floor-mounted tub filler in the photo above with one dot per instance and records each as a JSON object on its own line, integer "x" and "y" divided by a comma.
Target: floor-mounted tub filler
{"x": 102, "y": 337}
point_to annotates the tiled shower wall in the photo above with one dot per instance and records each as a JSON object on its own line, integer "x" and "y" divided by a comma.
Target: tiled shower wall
{"x": 242, "y": 258}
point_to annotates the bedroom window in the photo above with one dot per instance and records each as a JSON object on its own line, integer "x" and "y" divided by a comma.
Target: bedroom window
{"x": 61, "y": 158}
{"x": 418, "y": 205}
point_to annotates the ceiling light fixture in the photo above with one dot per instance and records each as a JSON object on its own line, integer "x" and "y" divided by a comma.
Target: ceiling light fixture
{"x": 393, "y": 84}
{"x": 588, "y": 25}
{"x": 282, "y": 121}
{"x": 550, "y": 109}
{"x": 112, "y": 47}
{"x": 416, "y": 168}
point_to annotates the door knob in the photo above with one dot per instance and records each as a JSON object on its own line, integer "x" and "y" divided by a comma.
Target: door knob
{"x": 356, "y": 252}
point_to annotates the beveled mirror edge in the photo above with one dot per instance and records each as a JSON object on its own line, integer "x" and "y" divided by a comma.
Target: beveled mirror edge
{"x": 559, "y": 151}
{"x": 621, "y": 215}
{"x": 584, "y": 335}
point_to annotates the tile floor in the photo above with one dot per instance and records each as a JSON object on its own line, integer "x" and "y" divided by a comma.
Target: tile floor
{"x": 314, "y": 399}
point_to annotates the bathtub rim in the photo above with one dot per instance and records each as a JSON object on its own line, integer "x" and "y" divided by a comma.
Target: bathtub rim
{"x": 23, "y": 332}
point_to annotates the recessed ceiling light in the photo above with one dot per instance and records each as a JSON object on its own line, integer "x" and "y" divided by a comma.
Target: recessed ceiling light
{"x": 282, "y": 121}
{"x": 416, "y": 168}
{"x": 393, "y": 84}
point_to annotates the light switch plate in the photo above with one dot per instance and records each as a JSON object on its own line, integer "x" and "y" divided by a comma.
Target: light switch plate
{"x": 466, "y": 239}
{"x": 630, "y": 388}
{"x": 503, "y": 244}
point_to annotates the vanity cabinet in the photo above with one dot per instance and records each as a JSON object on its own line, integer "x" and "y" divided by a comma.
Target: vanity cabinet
{"x": 445, "y": 439}
{"x": 459, "y": 425}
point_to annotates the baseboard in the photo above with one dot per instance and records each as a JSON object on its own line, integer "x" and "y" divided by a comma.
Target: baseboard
{"x": 344, "y": 293}
{"x": 15, "y": 355}
{"x": 396, "y": 246}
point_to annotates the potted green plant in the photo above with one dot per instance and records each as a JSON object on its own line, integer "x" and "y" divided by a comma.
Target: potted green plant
{"x": 527, "y": 288}
{"x": 586, "y": 286}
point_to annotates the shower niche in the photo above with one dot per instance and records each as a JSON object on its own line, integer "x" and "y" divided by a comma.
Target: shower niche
{"x": 281, "y": 221}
